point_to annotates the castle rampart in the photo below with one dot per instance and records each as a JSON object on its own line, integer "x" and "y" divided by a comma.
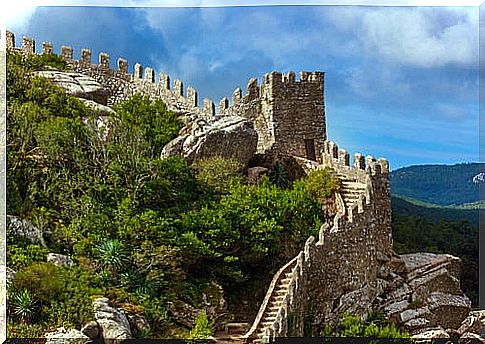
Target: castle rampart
{"x": 341, "y": 269}
{"x": 288, "y": 114}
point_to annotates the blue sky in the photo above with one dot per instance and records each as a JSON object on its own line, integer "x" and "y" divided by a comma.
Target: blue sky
{"x": 401, "y": 82}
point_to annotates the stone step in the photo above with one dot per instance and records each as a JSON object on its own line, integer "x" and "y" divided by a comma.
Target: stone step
{"x": 267, "y": 323}
{"x": 272, "y": 304}
{"x": 351, "y": 191}
{"x": 273, "y": 313}
{"x": 274, "y": 308}
{"x": 236, "y": 328}
{"x": 353, "y": 184}
{"x": 353, "y": 197}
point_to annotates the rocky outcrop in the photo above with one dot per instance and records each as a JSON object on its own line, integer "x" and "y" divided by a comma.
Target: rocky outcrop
{"x": 434, "y": 333}
{"x": 25, "y": 229}
{"x": 78, "y": 85}
{"x": 113, "y": 323}
{"x": 103, "y": 110}
{"x": 139, "y": 325}
{"x": 423, "y": 293}
{"x": 226, "y": 136}
{"x": 91, "y": 329}
{"x": 255, "y": 173}
{"x": 214, "y": 305}
{"x": 183, "y": 313}
{"x": 214, "y": 302}
{"x": 70, "y": 336}
{"x": 472, "y": 329}
{"x": 59, "y": 259}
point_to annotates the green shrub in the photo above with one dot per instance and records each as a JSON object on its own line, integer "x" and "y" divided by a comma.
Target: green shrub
{"x": 218, "y": 172}
{"x": 22, "y": 330}
{"x": 112, "y": 255}
{"x": 23, "y": 305}
{"x": 321, "y": 184}
{"x": 279, "y": 176}
{"x": 158, "y": 125}
{"x": 373, "y": 327}
{"x": 203, "y": 329}
{"x": 21, "y": 252}
{"x": 64, "y": 294}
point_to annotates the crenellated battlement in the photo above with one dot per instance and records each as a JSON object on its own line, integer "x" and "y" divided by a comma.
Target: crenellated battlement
{"x": 119, "y": 80}
{"x": 327, "y": 276}
{"x": 287, "y": 111}
{"x": 361, "y": 166}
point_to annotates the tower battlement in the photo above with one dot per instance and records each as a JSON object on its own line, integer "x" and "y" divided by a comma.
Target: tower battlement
{"x": 287, "y": 111}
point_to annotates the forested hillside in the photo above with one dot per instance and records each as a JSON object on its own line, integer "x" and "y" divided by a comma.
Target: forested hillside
{"x": 439, "y": 184}
{"x": 425, "y": 220}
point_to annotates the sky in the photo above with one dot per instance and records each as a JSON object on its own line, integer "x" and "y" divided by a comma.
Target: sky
{"x": 400, "y": 82}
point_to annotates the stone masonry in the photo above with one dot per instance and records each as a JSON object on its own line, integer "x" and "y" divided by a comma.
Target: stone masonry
{"x": 344, "y": 269}
{"x": 288, "y": 114}
{"x": 338, "y": 272}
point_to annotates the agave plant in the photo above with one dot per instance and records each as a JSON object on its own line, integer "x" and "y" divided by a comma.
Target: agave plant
{"x": 24, "y": 305}
{"x": 278, "y": 176}
{"x": 112, "y": 255}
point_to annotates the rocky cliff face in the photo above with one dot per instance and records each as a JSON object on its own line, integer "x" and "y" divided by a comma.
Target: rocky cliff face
{"x": 423, "y": 293}
{"x": 226, "y": 136}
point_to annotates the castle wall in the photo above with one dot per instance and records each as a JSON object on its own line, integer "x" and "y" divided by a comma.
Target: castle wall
{"x": 340, "y": 272}
{"x": 288, "y": 114}
{"x": 285, "y": 111}
{"x": 346, "y": 261}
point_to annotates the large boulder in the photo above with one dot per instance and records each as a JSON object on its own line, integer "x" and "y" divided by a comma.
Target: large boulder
{"x": 183, "y": 313}
{"x": 472, "y": 329}
{"x": 103, "y": 110}
{"x": 113, "y": 323}
{"x": 66, "y": 336}
{"x": 78, "y": 85}
{"x": 25, "y": 229}
{"x": 226, "y": 136}
{"x": 59, "y": 259}
{"x": 423, "y": 293}
{"x": 91, "y": 329}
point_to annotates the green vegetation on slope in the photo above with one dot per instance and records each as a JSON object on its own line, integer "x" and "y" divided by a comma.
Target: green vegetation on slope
{"x": 439, "y": 184}
{"x": 142, "y": 231}
{"x": 373, "y": 327}
{"x": 434, "y": 212}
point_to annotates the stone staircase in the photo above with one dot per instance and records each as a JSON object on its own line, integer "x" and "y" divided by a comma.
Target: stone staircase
{"x": 350, "y": 191}
{"x": 275, "y": 303}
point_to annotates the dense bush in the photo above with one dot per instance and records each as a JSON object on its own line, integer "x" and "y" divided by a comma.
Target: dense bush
{"x": 218, "y": 173}
{"x": 322, "y": 184}
{"x": 373, "y": 327}
{"x": 62, "y": 296}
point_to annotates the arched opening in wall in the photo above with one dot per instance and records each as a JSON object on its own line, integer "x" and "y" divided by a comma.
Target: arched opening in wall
{"x": 310, "y": 149}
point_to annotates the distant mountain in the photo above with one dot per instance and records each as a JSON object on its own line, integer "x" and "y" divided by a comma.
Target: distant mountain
{"x": 435, "y": 208}
{"x": 410, "y": 207}
{"x": 439, "y": 184}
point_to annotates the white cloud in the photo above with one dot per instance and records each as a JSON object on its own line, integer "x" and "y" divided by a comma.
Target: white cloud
{"x": 17, "y": 14}
{"x": 417, "y": 37}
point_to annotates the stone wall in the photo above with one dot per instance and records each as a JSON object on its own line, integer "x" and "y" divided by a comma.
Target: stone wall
{"x": 346, "y": 260}
{"x": 341, "y": 269}
{"x": 288, "y": 114}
